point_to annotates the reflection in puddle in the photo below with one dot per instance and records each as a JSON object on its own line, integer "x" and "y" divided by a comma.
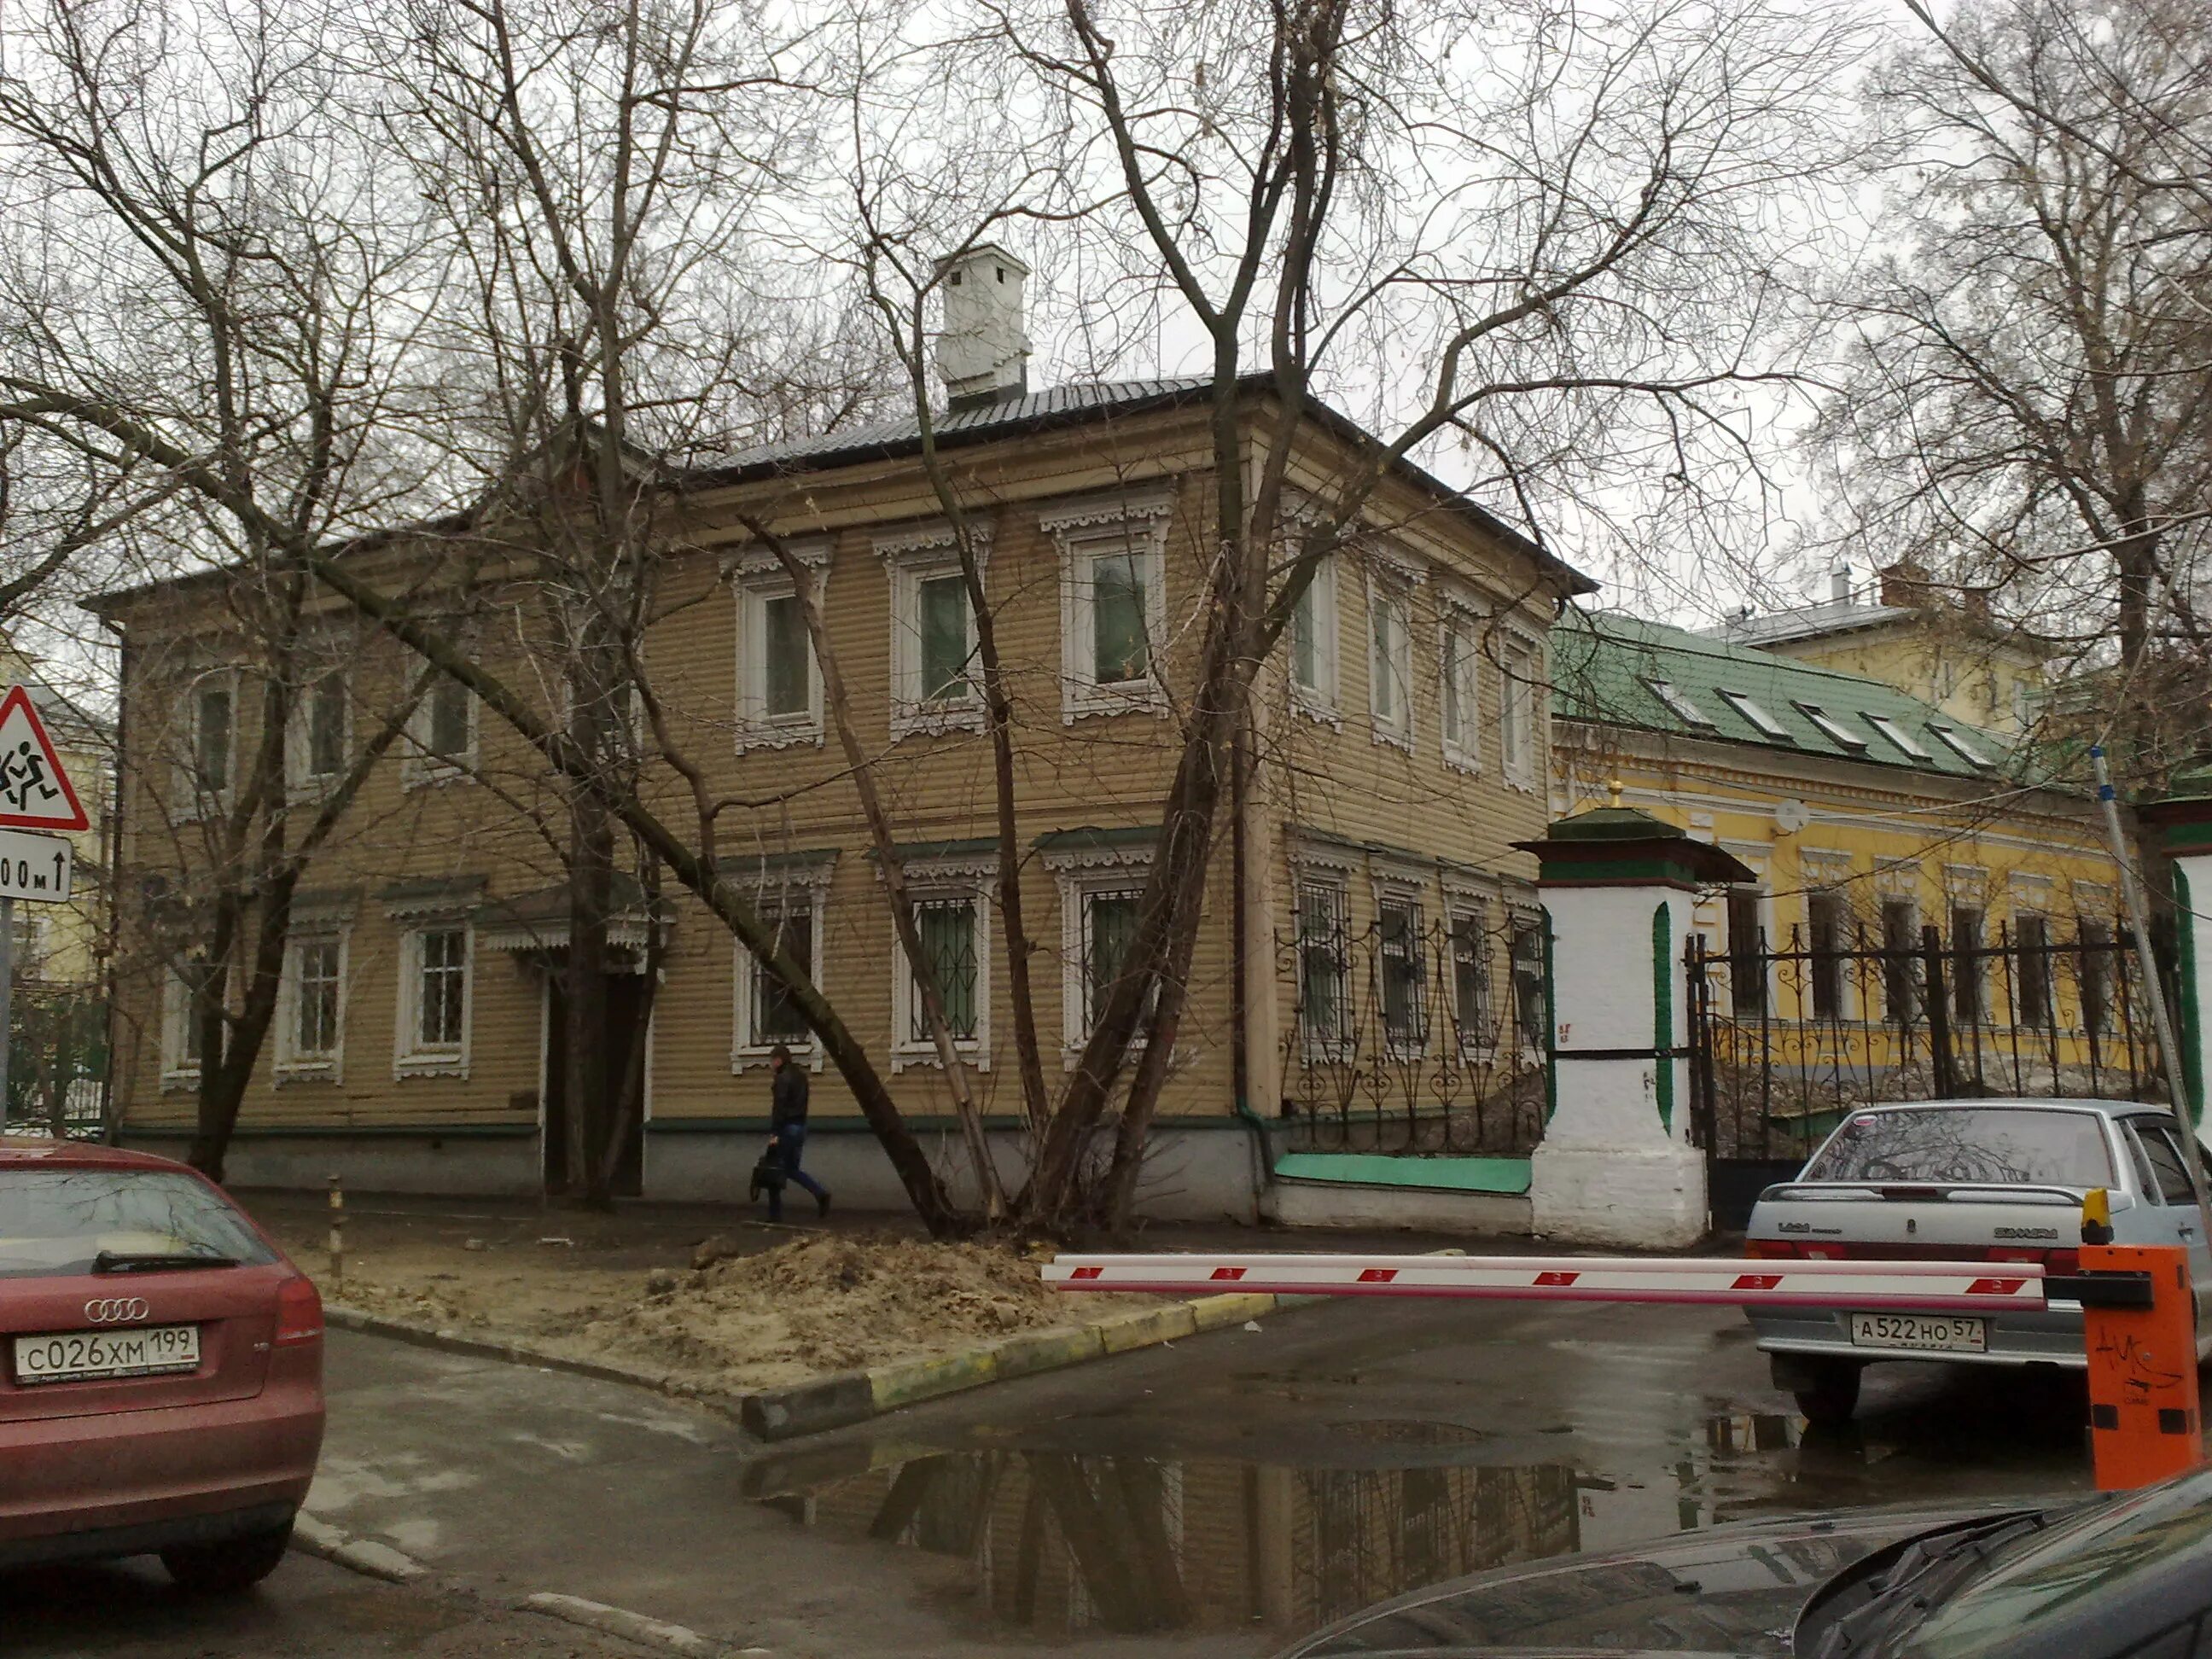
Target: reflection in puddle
{"x": 1059, "y": 1543}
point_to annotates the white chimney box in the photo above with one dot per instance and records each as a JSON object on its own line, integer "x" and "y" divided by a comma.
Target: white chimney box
{"x": 983, "y": 355}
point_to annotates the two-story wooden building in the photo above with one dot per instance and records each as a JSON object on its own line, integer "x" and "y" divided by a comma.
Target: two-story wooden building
{"x": 1367, "y": 901}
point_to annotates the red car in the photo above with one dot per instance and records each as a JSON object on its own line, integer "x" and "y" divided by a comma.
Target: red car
{"x": 160, "y": 1369}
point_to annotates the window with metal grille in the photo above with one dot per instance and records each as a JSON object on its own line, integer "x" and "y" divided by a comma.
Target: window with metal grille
{"x": 1109, "y": 932}
{"x": 777, "y": 1017}
{"x": 1470, "y": 978}
{"x": 315, "y": 989}
{"x": 1825, "y": 928}
{"x": 947, "y": 931}
{"x": 1532, "y": 1012}
{"x": 1747, "y": 953}
{"x": 1966, "y": 967}
{"x": 1901, "y": 983}
{"x": 442, "y": 988}
{"x": 2031, "y": 938}
{"x": 1323, "y": 1011}
{"x": 1405, "y": 1011}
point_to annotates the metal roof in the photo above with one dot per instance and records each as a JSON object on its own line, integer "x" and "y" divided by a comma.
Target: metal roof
{"x": 1608, "y": 669}
{"x": 1808, "y": 622}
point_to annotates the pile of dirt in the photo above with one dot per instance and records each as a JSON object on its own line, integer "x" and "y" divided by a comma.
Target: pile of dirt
{"x": 831, "y": 1304}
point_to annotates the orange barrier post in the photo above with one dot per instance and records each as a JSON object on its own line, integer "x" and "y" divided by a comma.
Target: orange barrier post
{"x": 2140, "y": 1328}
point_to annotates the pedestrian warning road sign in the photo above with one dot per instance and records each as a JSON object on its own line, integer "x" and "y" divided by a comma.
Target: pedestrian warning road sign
{"x": 35, "y": 793}
{"x": 39, "y": 868}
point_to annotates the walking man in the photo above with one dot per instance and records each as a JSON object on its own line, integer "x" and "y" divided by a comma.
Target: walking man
{"x": 786, "y": 1131}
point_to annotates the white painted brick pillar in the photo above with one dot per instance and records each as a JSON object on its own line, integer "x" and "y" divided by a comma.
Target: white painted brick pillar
{"x": 2182, "y": 824}
{"x": 1616, "y": 1166}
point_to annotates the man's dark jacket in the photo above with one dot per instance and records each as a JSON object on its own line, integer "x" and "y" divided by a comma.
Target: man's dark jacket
{"x": 787, "y": 1097}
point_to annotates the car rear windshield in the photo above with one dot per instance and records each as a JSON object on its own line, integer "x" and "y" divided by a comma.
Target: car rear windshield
{"x": 59, "y": 1221}
{"x": 1990, "y": 1144}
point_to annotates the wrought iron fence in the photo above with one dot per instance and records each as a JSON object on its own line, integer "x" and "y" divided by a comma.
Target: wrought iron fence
{"x": 1786, "y": 1040}
{"x": 1415, "y": 1035}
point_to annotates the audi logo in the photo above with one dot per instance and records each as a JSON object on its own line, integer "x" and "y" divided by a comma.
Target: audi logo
{"x": 117, "y": 1310}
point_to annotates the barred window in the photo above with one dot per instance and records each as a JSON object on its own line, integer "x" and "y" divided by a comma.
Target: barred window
{"x": 1323, "y": 1010}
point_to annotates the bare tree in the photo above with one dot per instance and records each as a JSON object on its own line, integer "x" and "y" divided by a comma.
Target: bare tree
{"x": 2027, "y": 408}
{"x": 1467, "y": 229}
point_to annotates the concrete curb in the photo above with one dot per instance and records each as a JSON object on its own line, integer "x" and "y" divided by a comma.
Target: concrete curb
{"x": 630, "y": 1626}
{"x": 844, "y": 1398}
{"x": 361, "y": 1555}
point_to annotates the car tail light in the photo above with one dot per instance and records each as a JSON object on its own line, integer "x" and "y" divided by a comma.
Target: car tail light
{"x": 299, "y": 1313}
{"x": 1772, "y": 1249}
{"x": 2057, "y": 1261}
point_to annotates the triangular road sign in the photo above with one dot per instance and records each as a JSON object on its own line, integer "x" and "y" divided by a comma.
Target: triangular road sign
{"x": 35, "y": 793}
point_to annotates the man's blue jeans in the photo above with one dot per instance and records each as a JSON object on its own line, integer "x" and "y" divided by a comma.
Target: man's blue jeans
{"x": 790, "y": 1148}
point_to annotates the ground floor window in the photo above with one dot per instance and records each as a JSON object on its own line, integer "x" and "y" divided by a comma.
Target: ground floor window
{"x": 1324, "y": 1013}
{"x": 311, "y": 1004}
{"x": 434, "y": 1021}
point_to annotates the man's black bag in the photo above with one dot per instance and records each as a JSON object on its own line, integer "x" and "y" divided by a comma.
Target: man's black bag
{"x": 768, "y": 1174}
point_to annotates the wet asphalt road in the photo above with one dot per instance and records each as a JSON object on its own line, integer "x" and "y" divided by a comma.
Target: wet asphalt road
{"x": 308, "y": 1610}
{"x": 1207, "y": 1498}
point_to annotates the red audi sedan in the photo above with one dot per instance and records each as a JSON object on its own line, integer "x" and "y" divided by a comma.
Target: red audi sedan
{"x": 160, "y": 1369}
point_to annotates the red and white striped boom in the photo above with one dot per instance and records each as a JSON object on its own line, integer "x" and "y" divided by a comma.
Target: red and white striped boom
{"x": 1920, "y": 1286}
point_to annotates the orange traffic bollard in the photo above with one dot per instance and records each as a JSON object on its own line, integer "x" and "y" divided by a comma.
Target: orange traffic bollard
{"x": 2139, "y": 1327}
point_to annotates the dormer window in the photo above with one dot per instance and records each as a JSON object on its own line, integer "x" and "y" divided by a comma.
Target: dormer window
{"x": 1752, "y": 710}
{"x": 1680, "y": 705}
{"x": 1833, "y": 729}
{"x": 1952, "y": 739}
{"x": 1907, "y": 742}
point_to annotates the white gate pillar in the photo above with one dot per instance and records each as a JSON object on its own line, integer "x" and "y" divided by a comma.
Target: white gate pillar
{"x": 1616, "y": 1166}
{"x": 2182, "y": 822}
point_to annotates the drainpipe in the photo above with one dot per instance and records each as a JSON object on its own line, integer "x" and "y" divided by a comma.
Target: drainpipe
{"x": 111, "y": 831}
{"x": 1240, "y": 965}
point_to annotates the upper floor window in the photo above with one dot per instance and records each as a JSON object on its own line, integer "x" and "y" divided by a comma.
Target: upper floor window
{"x": 1390, "y": 658}
{"x": 935, "y": 681}
{"x": 207, "y": 775}
{"x": 442, "y": 732}
{"x": 1458, "y": 697}
{"x": 182, "y": 1031}
{"x": 1520, "y": 725}
{"x": 779, "y": 681}
{"x": 1113, "y": 602}
{"x": 1313, "y": 654}
{"x": 318, "y": 744}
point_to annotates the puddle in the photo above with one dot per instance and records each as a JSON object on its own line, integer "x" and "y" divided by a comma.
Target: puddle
{"x": 1053, "y": 1542}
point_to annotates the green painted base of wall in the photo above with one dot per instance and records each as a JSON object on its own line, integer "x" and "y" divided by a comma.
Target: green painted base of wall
{"x": 1449, "y": 1174}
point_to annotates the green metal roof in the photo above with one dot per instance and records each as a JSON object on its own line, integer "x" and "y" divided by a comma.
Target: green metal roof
{"x": 1608, "y": 668}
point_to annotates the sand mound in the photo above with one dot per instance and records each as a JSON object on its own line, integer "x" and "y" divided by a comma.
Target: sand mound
{"x": 827, "y": 1305}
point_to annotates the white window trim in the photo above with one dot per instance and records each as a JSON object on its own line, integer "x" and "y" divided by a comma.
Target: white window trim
{"x": 190, "y": 805}
{"x": 1464, "y": 753}
{"x": 177, "y": 1070}
{"x": 292, "y": 1066}
{"x": 1530, "y": 693}
{"x": 941, "y": 879}
{"x": 407, "y": 1059}
{"x": 912, "y": 557}
{"x": 757, "y": 577}
{"x": 748, "y": 1048}
{"x": 419, "y": 766}
{"x": 300, "y": 783}
{"x": 1399, "y": 583}
{"x": 1081, "y": 877}
{"x": 1322, "y": 703}
{"x": 1134, "y": 522}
